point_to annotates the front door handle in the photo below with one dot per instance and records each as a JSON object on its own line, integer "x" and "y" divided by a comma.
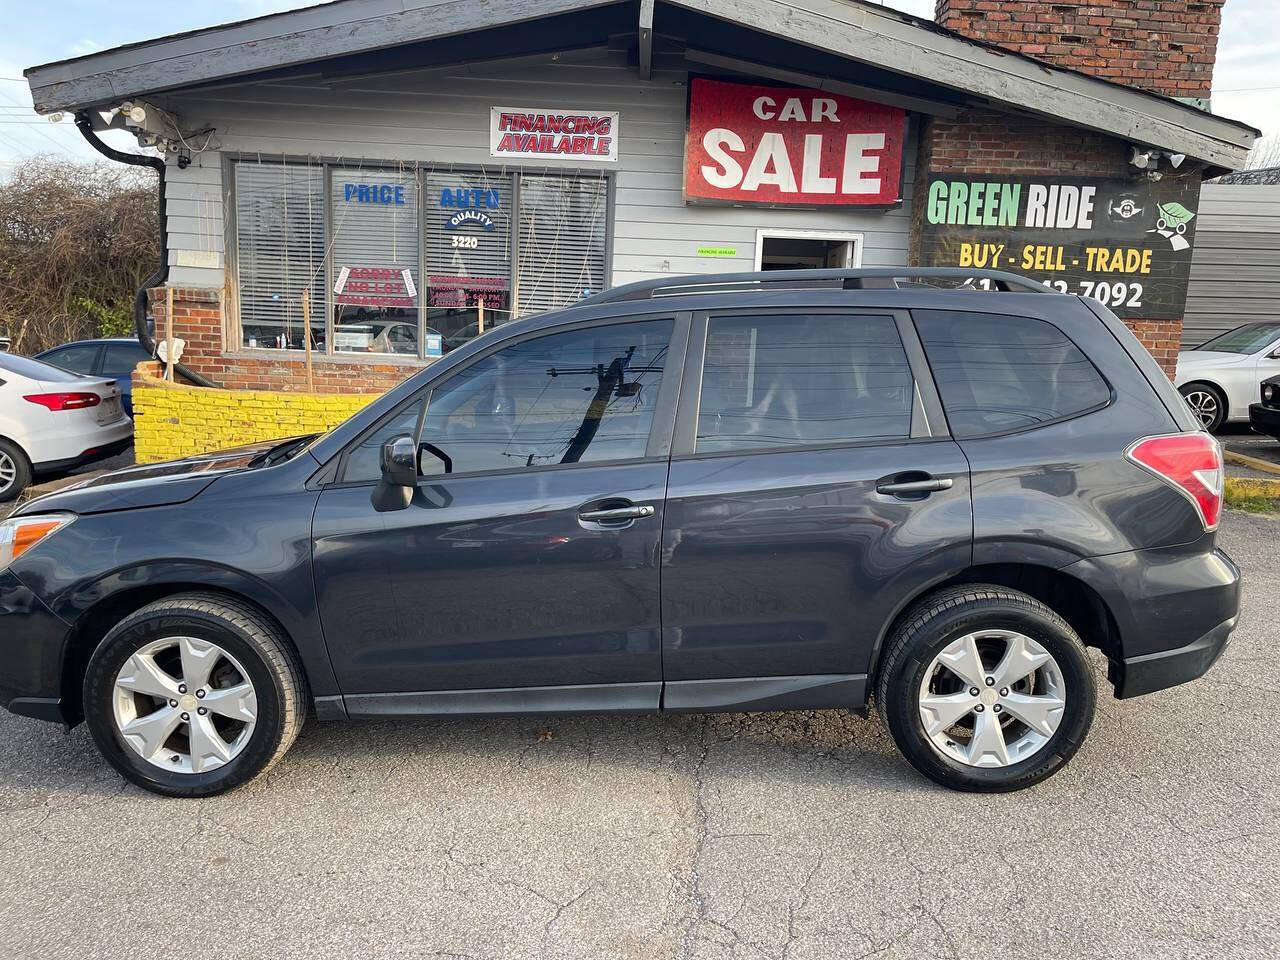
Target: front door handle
{"x": 614, "y": 514}
{"x": 909, "y": 487}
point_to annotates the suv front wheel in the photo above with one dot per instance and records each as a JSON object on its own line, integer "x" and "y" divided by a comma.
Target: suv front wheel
{"x": 985, "y": 689}
{"x": 193, "y": 695}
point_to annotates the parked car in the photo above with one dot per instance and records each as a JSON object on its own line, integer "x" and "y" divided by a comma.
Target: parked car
{"x": 785, "y": 491}
{"x": 1219, "y": 378}
{"x": 108, "y": 357}
{"x": 1264, "y": 416}
{"x": 52, "y": 420}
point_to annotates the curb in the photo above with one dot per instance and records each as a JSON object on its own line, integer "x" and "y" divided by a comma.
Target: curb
{"x": 1253, "y": 463}
{"x": 1243, "y": 485}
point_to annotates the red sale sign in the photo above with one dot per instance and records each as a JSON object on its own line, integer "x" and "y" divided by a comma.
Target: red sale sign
{"x": 750, "y": 144}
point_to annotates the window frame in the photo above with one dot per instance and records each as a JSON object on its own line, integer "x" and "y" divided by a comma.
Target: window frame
{"x": 927, "y": 421}
{"x": 233, "y": 333}
{"x": 657, "y": 448}
{"x": 95, "y": 368}
{"x": 1013, "y": 431}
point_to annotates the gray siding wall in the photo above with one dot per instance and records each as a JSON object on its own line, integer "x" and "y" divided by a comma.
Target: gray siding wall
{"x": 1235, "y": 264}
{"x": 440, "y": 117}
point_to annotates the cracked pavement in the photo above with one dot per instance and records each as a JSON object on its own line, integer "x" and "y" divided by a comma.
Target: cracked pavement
{"x": 781, "y": 837}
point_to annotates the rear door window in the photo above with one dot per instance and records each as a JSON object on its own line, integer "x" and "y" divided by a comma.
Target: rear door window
{"x": 1000, "y": 373}
{"x": 799, "y": 380}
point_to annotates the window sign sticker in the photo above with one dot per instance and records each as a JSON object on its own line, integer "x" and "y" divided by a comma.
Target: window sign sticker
{"x": 408, "y": 282}
{"x": 341, "y": 284}
{"x": 433, "y": 345}
{"x": 717, "y": 251}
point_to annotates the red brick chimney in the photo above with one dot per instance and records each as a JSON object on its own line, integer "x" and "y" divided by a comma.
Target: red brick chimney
{"x": 1165, "y": 46}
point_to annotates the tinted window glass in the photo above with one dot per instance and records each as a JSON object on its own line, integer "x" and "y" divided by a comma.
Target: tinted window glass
{"x": 36, "y": 369}
{"x": 1001, "y": 373}
{"x": 77, "y": 359}
{"x": 793, "y": 380}
{"x": 120, "y": 358}
{"x": 576, "y": 397}
{"x": 364, "y": 462}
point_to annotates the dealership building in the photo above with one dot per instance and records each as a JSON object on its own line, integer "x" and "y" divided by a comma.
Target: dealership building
{"x": 355, "y": 188}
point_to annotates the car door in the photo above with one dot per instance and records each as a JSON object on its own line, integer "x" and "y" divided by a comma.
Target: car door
{"x": 118, "y": 361}
{"x": 1268, "y": 366}
{"x": 813, "y": 488}
{"x": 524, "y": 570}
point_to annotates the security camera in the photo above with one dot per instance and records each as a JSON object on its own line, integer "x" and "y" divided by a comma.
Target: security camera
{"x": 1142, "y": 159}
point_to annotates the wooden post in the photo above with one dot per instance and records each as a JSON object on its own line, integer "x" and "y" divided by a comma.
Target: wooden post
{"x": 306, "y": 334}
{"x": 168, "y": 333}
{"x": 479, "y": 316}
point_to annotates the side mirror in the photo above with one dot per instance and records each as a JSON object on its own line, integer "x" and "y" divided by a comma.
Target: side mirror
{"x": 400, "y": 463}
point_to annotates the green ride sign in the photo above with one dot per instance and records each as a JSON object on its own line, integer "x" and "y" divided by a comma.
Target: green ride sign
{"x": 1126, "y": 243}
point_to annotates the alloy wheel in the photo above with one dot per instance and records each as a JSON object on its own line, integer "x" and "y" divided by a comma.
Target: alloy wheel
{"x": 991, "y": 698}
{"x": 8, "y": 471}
{"x": 184, "y": 704}
{"x": 1204, "y": 405}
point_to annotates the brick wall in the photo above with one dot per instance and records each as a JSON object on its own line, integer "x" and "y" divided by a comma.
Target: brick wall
{"x": 198, "y": 319}
{"x": 173, "y": 420}
{"x": 1165, "y": 46}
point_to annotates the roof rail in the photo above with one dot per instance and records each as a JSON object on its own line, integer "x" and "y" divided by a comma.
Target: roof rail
{"x": 863, "y": 278}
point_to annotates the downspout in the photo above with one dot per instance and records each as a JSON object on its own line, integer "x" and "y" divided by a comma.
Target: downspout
{"x": 161, "y": 273}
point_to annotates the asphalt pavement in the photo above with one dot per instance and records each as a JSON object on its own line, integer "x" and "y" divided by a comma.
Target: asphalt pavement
{"x": 784, "y": 836}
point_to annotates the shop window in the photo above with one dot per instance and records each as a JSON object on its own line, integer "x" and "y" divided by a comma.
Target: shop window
{"x": 280, "y": 238}
{"x": 798, "y": 380}
{"x": 375, "y": 263}
{"x": 584, "y": 396}
{"x": 562, "y": 241}
{"x": 467, "y": 217}
{"x": 998, "y": 373}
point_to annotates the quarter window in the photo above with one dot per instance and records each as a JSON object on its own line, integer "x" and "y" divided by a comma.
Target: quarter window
{"x": 999, "y": 373}
{"x": 576, "y": 397}
{"x": 364, "y": 460}
{"x": 796, "y": 380}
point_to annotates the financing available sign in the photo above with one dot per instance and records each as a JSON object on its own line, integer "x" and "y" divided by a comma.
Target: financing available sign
{"x": 790, "y": 146}
{"x": 1125, "y": 243}
{"x": 542, "y": 134}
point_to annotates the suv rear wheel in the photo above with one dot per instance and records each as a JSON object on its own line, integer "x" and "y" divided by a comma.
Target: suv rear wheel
{"x": 193, "y": 695}
{"x": 986, "y": 689}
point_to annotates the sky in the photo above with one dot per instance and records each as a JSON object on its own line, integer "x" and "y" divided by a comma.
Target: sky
{"x": 1246, "y": 79}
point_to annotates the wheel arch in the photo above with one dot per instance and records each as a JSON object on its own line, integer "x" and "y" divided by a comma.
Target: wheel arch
{"x": 97, "y": 619}
{"x": 1068, "y": 596}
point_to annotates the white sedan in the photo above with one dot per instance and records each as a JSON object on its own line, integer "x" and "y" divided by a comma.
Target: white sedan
{"x": 53, "y": 420}
{"x": 1220, "y": 378}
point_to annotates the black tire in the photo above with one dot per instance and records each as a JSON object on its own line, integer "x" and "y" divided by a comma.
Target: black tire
{"x": 932, "y": 624}
{"x": 1214, "y": 425}
{"x": 267, "y": 656}
{"x": 21, "y": 473}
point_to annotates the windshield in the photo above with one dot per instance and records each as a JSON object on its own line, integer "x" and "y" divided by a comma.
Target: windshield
{"x": 1250, "y": 338}
{"x": 36, "y": 369}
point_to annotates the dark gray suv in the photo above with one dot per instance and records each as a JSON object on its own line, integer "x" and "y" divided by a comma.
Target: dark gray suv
{"x": 774, "y": 491}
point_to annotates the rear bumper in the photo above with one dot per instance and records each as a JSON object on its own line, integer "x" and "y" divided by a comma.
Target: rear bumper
{"x": 1136, "y": 676}
{"x": 32, "y": 639}
{"x": 1173, "y": 610}
{"x": 1265, "y": 419}
{"x": 93, "y": 455}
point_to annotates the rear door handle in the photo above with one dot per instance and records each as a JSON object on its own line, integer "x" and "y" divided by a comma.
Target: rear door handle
{"x": 614, "y": 514}
{"x": 915, "y": 486}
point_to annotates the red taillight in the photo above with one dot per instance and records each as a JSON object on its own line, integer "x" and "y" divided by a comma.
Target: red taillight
{"x": 1190, "y": 462}
{"x": 64, "y": 401}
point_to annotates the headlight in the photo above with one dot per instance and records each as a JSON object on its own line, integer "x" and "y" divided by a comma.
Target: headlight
{"x": 1268, "y": 391}
{"x": 20, "y": 534}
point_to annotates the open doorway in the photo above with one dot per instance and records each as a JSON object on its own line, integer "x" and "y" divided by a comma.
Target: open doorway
{"x": 807, "y": 249}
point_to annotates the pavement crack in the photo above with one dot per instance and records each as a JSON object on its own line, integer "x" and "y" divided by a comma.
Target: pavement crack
{"x": 700, "y": 819}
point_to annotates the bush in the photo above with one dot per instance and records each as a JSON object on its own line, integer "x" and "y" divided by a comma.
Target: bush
{"x": 76, "y": 242}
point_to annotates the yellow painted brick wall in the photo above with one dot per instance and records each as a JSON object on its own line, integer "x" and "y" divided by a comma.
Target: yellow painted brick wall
{"x": 176, "y": 420}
